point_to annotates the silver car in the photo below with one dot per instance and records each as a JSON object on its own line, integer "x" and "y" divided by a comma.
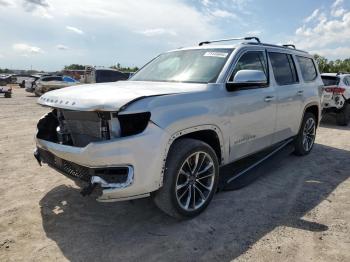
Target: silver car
{"x": 166, "y": 131}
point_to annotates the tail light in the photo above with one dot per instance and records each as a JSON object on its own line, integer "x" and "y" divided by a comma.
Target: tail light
{"x": 336, "y": 90}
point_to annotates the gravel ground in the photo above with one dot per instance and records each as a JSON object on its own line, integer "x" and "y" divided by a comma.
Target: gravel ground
{"x": 298, "y": 211}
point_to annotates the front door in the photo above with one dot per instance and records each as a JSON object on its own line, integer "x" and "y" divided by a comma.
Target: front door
{"x": 252, "y": 109}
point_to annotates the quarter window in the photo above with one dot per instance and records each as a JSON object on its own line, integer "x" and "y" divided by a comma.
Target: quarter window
{"x": 308, "y": 69}
{"x": 283, "y": 67}
{"x": 250, "y": 61}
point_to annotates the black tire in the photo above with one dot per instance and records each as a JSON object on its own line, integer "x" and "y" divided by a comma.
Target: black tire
{"x": 299, "y": 145}
{"x": 8, "y": 95}
{"x": 343, "y": 115}
{"x": 166, "y": 198}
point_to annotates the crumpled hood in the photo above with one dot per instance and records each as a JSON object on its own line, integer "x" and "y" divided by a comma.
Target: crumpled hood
{"x": 111, "y": 96}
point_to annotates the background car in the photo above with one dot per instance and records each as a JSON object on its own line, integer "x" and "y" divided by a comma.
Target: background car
{"x": 336, "y": 96}
{"x": 49, "y": 83}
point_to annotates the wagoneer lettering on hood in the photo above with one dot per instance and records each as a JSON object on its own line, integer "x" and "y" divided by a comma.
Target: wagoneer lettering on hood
{"x": 112, "y": 96}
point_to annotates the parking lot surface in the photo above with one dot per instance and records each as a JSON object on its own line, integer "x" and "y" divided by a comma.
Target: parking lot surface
{"x": 298, "y": 211}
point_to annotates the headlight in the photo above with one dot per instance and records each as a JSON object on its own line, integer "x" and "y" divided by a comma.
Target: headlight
{"x": 133, "y": 124}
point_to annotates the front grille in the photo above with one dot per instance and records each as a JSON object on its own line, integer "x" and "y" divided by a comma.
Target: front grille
{"x": 110, "y": 175}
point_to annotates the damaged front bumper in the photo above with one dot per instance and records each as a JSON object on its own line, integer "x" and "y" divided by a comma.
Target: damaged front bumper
{"x": 124, "y": 168}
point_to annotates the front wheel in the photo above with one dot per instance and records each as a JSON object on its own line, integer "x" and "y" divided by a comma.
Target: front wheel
{"x": 8, "y": 95}
{"x": 190, "y": 179}
{"x": 306, "y": 137}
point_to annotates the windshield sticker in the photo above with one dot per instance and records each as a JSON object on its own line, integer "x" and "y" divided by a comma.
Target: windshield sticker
{"x": 216, "y": 54}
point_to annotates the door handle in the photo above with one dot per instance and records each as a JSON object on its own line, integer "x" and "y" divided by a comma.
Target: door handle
{"x": 300, "y": 93}
{"x": 268, "y": 98}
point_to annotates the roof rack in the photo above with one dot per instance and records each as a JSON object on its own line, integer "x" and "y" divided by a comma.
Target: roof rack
{"x": 231, "y": 39}
{"x": 342, "y": 73}
{"x": 289, "y": 45}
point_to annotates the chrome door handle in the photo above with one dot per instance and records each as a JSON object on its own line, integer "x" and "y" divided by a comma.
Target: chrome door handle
{"x": 268, "y": 98}
{"x": 300, "y": 93}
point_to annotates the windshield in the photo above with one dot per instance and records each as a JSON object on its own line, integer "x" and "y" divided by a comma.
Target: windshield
{"x": 191, "y": 66}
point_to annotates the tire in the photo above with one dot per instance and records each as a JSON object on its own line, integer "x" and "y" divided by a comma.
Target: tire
{"x": 174, "y": 198}
{"x": 8, "y": 95}
{"x": 305, "y": 139}
{"x": 343, "y": 115}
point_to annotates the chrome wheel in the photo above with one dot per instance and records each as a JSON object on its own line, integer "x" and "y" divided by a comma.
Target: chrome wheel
{"x": 309, "y": 134}
{"x": 195, "y": 181}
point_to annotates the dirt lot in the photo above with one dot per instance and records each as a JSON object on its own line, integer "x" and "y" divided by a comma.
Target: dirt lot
{"x": 299, "y": 211}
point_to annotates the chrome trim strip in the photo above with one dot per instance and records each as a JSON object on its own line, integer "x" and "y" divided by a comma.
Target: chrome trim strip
{"x": 103, "y": 183}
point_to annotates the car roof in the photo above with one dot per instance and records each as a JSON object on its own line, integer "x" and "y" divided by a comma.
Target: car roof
{"x": 340, "y": 75}
{"x": 242, "y": 45}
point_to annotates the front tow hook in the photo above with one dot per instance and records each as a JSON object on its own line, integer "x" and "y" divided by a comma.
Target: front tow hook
{"x": 86, "y": 191}
{"x": 37, "y": 157}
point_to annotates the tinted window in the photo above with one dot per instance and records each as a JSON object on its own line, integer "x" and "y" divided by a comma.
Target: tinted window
{"x": 308, "y": 69}
{"x": 103, "y": 76}
{"x": 330, "y": 80}
{"x": 52, "y": 78}
{"x": 250, "y": 61}
{"x": 283, "y": 68}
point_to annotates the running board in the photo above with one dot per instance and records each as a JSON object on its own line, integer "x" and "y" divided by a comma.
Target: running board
{"x": 246, "y": 174}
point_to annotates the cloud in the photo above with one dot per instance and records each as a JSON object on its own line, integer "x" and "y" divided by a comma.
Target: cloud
{"x": 331, "y": 32}
{"x": 75, "y": 30}
{"x": 223, "y": 14}
{"x": 334, "y": 53}
{"x": 30, "y": 5}
{"x": 206, "y": 2}
{"x": 314, "y": 15}
{"x": 4, "y": 3}
{"x": 62, "y": 47}
{"x": 25, "y": 49}
{"x": 157, "y": 32}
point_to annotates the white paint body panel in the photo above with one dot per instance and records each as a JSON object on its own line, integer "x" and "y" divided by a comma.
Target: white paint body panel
{"x": 243, "y": 120}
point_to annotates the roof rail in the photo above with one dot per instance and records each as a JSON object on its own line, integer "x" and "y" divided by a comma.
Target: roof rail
{"x": 231, "y": 39}
{"x": 289, "y": 45}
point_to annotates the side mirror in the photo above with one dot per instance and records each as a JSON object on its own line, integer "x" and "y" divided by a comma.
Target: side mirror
{"x": 247, "y": 79}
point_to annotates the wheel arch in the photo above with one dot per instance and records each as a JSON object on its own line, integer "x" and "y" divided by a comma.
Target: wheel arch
{"x": 313, "y": 108}
{"x": 209, "y": 134}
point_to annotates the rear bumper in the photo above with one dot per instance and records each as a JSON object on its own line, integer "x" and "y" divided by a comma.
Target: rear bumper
{"x": 142, "y": 155}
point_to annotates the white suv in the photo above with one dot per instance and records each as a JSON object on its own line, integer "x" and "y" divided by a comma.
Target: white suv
{"x": 336, "y": 96}
{"x": 165, "y": 132}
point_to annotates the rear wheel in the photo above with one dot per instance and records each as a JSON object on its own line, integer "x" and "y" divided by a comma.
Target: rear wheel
{"x": 306, "y": 137}
{"x": 190, "y": 179}
{"x": 343, "y": 115}
{"x": 8, "y": 95}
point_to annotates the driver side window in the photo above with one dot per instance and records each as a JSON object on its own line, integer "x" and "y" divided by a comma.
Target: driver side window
{"x": 254, "y": 60}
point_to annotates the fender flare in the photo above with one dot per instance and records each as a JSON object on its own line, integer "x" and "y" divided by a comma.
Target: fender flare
{"x": 306, "y": 107}
{"x": 186, "y": 131}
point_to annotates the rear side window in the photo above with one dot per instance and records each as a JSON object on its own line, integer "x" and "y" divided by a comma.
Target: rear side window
{"x": 330, "y": 80}
{"x": 250, "y": 61}
{"x": 283, "y": 68}
{"x": 308, "y": 69}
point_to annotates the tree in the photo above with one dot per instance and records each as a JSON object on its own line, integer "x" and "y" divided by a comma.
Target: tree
{"x": 336, "y": 66}
{"x": 74, "y": 67}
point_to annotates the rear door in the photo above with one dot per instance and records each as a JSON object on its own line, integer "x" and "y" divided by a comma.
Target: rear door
{"x": 289, "y": 94}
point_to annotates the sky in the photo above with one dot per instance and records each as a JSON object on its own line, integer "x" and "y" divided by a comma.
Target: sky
{"x": 48, "y": 34}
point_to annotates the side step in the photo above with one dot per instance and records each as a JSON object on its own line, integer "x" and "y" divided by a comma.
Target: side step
{"x": 242, "y": 172}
